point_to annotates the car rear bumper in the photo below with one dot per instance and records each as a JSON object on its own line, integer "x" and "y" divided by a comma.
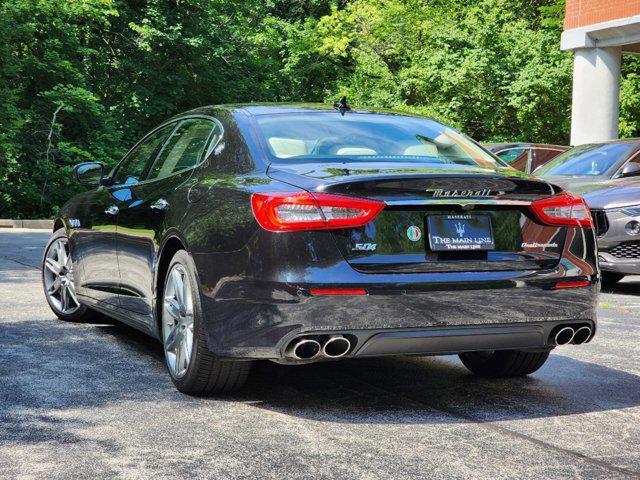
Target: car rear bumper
{"x": 427, "y": 318}
{"x": 258, "y": 298}
{"x": 439, "y": 340}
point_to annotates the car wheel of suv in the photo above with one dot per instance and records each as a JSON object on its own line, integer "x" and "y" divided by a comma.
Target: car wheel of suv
{"x": 193, "y": 367}
{"x": 503, "y": 363}
{"x": 609, "y": 279}
{"x": 58, "y": 280}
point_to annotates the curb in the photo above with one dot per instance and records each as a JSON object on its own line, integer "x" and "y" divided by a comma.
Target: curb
{"x": 39, "y": 224}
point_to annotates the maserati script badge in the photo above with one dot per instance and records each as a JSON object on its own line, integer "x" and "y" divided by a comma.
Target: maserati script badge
{"x": 440, "y": 193}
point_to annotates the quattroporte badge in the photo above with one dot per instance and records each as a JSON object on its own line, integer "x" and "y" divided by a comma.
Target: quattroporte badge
{"x": 414, "y": 233}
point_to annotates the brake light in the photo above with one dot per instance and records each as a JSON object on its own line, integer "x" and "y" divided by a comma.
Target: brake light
{"x": 564, "y": 209}
{"x": 286, "y": 212}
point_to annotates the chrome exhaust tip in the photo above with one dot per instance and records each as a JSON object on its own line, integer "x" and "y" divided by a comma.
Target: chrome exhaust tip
{"x": 305, "y": 349}
{"x": 582, "y": 335}
{"x": 564, "y": 336}
{"x": 336, "y": 347}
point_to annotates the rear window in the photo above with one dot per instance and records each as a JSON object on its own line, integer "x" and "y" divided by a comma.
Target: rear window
{"x": 300, "y": 137}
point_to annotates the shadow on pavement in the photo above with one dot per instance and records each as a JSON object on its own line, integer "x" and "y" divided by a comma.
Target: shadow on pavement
{"x": 48, "y": 364}
{"x": 369, "y": 390}
{"x": 628, "y": 286}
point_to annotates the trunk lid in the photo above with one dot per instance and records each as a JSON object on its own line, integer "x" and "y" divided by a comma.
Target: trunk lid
{"x": 428, "y": 206}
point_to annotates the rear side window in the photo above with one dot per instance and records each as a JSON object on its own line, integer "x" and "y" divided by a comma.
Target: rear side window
{"x": 542, "y": 156}
{"x": 184, "y": 148}
{"x": 131, "y": 169}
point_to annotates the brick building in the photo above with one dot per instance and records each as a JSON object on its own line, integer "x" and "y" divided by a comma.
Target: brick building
{"x": 599, "y": 32}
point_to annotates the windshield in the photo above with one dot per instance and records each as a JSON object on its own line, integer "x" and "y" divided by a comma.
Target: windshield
{"x": 587, "y": 160}
{"x": 300, "y": 137}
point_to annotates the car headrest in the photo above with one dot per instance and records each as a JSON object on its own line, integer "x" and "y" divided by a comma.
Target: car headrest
{"x": 355, "y": 151}
{"x": 287, "y": 147}
{"x": 423, "y": 150}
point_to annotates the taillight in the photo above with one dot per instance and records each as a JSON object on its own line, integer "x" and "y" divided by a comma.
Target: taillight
{"x": 285, "y": 212}
{"x": 564, "y": 209}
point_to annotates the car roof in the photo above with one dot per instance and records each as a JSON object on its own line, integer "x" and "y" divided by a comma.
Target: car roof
{"x": 499, "y": 145}
{"x": 619, "y": 140}
{"x": 275, "y": 108}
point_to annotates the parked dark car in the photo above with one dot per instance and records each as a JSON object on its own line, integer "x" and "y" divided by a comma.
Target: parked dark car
{"x": 607, "y": 175}
{"x": 525, "y": 157}
{"x": 307, "y": 233}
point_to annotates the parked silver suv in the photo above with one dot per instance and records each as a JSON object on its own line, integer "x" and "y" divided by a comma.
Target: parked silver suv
{"x": 607, "y": 176}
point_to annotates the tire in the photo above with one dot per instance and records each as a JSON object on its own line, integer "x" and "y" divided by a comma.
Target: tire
{"x": 609, "y": 279}
{"x": 503, "y": 363}
{"x": 74, "y": 311}
{"x": 202, "y": 372}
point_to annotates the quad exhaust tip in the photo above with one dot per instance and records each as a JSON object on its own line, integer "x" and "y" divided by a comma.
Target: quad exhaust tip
{"x": 308, "y": 348}
{"x": 305, "y": 349}
{"x": 576, "y": 335}
{"x": 581, "y": 335}
{"x": 336, "y": 347}
{"x": 564, "y": 336}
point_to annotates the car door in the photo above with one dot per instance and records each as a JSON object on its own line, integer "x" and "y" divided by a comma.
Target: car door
{"x": 100, "y": 272}
{"x": 93, "y": 248}
{"x": 152, "y": 206}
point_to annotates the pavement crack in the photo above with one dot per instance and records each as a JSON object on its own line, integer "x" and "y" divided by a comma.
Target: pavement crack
{"x": 19, "y": 262}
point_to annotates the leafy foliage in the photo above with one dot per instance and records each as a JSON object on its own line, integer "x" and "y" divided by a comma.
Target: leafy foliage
{"x": 84, "y": 79}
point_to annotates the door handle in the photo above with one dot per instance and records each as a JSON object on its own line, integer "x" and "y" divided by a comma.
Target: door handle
{"x": 160, "y": 204}
{"x": 112, "y": 210}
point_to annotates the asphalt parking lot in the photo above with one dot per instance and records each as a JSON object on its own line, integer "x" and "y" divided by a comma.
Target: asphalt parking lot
{"x": 94, "y": 401}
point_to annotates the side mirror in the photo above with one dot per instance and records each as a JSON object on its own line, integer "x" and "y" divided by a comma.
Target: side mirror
{"x": 631, "y": 169}
{"x": 88, "y": 173}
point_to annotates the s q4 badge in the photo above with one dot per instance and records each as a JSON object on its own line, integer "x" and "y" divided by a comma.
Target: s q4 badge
{"x": 365, "y": 247}
{"x": 414, "y": 233}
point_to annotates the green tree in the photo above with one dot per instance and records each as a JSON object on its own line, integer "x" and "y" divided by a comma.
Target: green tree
{"x": 84, "y": 79}
{"x": 490, "y": 67}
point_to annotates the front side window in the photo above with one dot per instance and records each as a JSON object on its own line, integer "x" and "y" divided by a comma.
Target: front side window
{"x": 183, "y": 149}
{"x": 131, "y": 169}
{"x": 510, "y": 154}
{"x": 587, "y": 160}
{"x": 635, "y": 159}
{"x": 299, "y": 137}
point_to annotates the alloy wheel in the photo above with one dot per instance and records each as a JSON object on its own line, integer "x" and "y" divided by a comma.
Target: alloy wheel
{"x": 58, "y": 278}
{"x": 177, "y": 321}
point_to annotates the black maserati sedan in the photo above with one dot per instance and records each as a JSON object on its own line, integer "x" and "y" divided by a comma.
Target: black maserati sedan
{"x": 304, "y": 233}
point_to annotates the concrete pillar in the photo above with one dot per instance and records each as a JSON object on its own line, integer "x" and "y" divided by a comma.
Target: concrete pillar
{"x": 596, "y": 95}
